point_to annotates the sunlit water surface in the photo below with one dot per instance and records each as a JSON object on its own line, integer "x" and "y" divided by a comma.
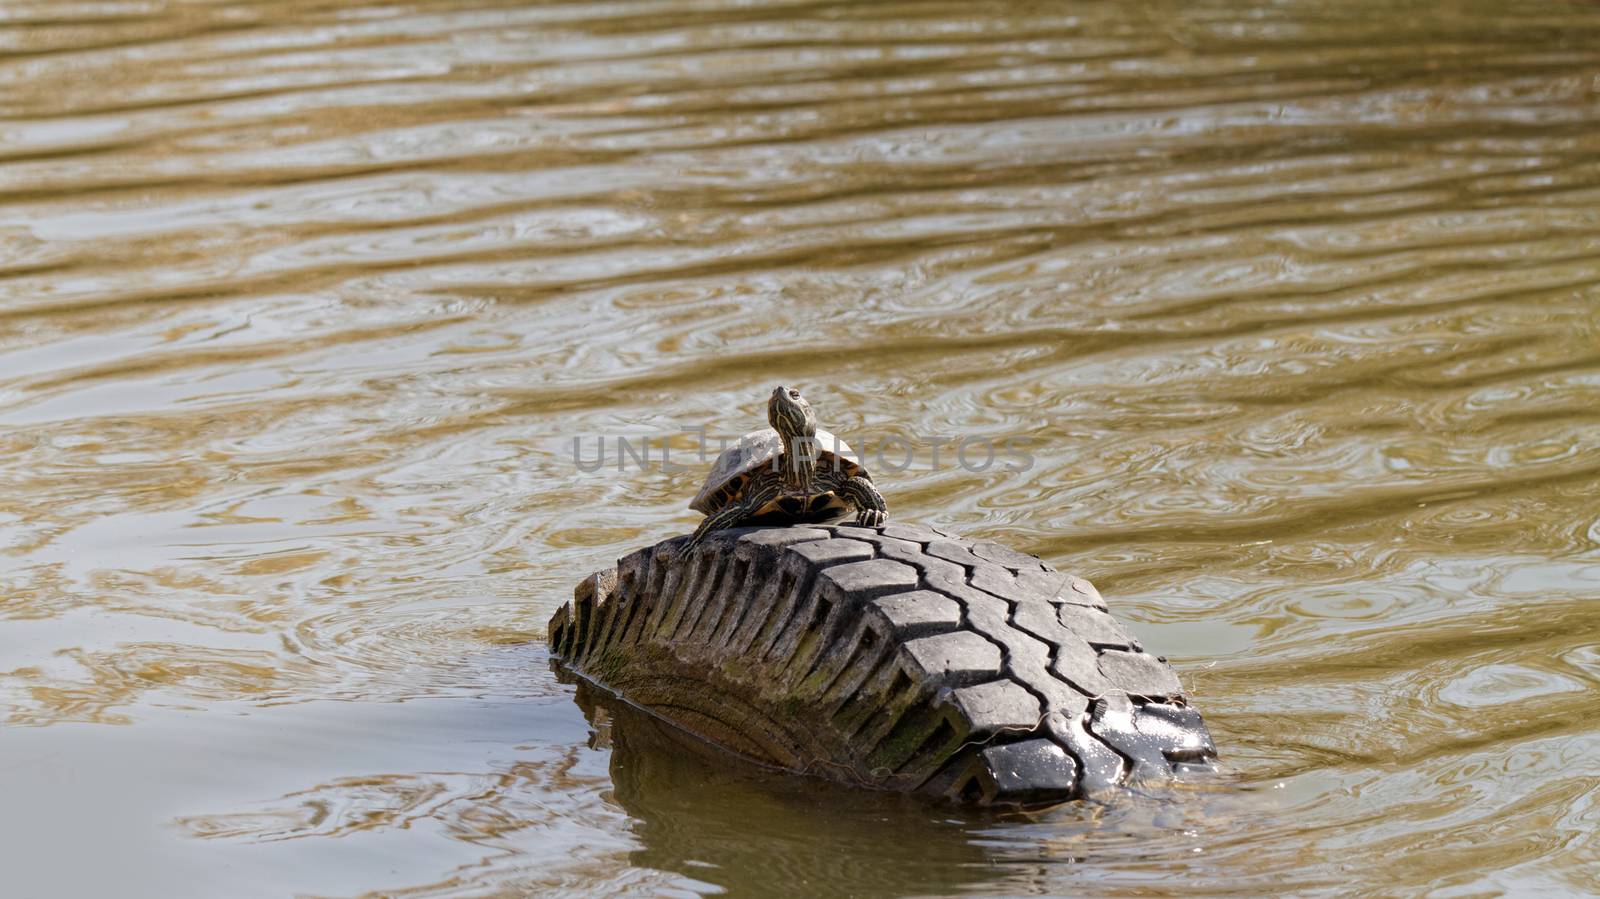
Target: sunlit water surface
{"x": 1296, "y": 306}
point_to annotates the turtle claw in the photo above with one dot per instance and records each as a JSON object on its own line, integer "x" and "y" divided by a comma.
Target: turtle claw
{"x": 871, "y": 518}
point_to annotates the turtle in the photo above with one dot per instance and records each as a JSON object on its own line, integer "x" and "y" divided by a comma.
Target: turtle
{"x": 790, "y": 472}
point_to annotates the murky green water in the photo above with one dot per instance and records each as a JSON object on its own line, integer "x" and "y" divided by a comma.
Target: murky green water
{"x": 1296, "y": 305}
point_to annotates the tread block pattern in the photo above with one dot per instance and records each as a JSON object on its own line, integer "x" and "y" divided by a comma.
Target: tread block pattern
{"x": 899, "y": 657}
{"x": 959, "y": 657}
{"x": 1019, "y": 773}
{"x": 918, "y": 612}
{"x": 996, "y": 706}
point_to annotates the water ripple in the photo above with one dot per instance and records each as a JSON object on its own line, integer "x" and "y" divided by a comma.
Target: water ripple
{"x": 302, "y": 305}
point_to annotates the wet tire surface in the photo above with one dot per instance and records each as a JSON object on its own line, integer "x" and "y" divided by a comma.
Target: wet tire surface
{"x": 900, "y": 658}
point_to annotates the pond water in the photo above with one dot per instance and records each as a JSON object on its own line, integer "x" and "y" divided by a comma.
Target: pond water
{"x": 1294, "y": 307}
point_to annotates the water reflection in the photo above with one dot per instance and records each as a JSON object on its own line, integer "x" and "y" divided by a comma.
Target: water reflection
{"x": 738, "y": 829}
{"x": 716, "y": 820}
{"x": 301, "y": 304}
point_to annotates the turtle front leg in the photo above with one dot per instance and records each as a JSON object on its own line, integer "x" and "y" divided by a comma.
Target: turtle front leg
{"x": 725, "y": 517}
{"x": 761, "y": 492}
{"x": 873, "y": 510}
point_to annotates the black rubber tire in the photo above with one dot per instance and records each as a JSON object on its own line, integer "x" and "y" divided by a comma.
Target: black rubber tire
{"x": 900, "y": 658}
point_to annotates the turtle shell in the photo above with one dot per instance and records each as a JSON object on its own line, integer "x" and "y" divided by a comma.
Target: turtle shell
{"x": 759, "y": 448}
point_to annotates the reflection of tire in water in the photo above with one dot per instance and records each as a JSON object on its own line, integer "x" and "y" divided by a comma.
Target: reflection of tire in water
{"x": 762, "y": 833}
{"x": 899, "y": 658}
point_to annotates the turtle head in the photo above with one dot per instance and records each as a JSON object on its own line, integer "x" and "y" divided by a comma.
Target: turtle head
{"x": 791, "y": 416}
